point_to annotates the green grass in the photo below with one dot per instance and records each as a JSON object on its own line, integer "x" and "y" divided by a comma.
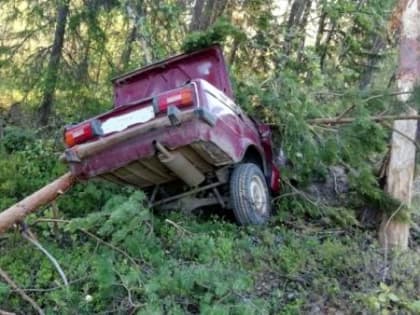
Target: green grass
{"x": 306, "y": 261}
{"x": 193, "y": 265}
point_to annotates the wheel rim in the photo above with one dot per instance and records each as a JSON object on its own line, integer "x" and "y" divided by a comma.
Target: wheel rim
{"x": 258, "y": 195}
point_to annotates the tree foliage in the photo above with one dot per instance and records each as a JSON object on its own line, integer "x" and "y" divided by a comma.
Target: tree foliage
{"x": 290, "y": 61}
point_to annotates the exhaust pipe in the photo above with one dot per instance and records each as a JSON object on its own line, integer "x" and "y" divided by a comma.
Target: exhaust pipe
{"x": 178, "y": 164}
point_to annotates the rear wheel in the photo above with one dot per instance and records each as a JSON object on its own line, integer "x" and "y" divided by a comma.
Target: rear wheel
{"x": 249, "y": 195}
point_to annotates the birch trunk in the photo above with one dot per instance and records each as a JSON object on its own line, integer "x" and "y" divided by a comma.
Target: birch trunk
{"x": 402, "y": 162}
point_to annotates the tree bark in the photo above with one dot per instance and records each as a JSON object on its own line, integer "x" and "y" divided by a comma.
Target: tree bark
{"x": 378, "y": 46}
{"x": 324, "y": 50}
{"x": 136, "y": 14}
{"x": 45, "y": 195}
{"x": 218, "y": 9}
{"x": 92, "y": 10}
{"x": 296, "y": 12}
{"x": 53, "y": 64}
{"x": 321, "y": 29}
{"x": 196, "y": 15}
{"x": 1, "y": 128}
{"x": 126, "y": 54}
{"x": 302, "y": 29}
{"x": 294, "y": 23}
{"x": 205, "y": 13}
{"x": 393, "y": 233}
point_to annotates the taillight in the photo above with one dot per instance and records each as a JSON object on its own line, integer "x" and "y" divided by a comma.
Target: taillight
{"x": 82, "y": 133}
{"x": 180, "y": 98}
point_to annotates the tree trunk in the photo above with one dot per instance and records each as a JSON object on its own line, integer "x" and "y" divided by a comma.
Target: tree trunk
{"x": 92, "y": 10}
{"x": 136, "y": 14}
{"x": 402, "y": 161}
{"x": 45, "y": 195}
{"x": 83, "y": 69}
{"x": 324, "y": 50}
{"x": 232, "y": 55}
{"x": 205, "y": 13}
{"x": 321, "y": 30}
{"x": 294, "y": 21}
{"x": 1, "y": 127}
{"x": 296, "y": 12}
{"x": 378, "y": 46}
{"x": 218, "y": 9}
{"x": 196, "y": 15}
{"x": 53, "y": 64}
{"x": 302, "y": 29}
{"x": 126, "y": 54}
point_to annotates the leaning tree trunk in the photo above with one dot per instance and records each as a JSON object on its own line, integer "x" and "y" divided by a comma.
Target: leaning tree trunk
{"x": 402, "y": 161}
{"x": 42, "y": 197}
{"x": 54, "y": 62}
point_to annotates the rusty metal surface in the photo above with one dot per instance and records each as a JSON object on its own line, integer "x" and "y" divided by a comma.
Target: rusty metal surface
{"x": 141, "y": 171}
{"x": 194, "y": 157}
{"x": 151, "y": 171}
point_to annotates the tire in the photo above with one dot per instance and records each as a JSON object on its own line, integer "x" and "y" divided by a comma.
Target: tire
{"x": 249, "y": 195}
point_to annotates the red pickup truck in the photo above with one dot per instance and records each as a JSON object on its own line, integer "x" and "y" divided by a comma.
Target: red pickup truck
{"x": 176, "y": 133}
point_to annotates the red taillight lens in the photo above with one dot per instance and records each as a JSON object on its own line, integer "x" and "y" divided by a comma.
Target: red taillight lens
{"x": 179, "y": 98}
{"x": 82, "y": 133}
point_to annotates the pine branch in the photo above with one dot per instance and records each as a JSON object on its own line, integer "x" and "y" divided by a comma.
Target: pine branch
{"x": 24, "y": 296}
{"x": 178, "y": 227}
{"x": 413, "y": 141}
{"x": 98, "y": 239}
{"x": 115, "y": 248}
{"x": 28, "y": 236}
{"x": 344, "y": 120}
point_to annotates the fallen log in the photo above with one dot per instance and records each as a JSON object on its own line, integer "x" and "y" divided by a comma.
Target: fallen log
{"x": 45, "y": 195}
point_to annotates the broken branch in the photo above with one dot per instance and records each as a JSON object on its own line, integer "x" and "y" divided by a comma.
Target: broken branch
{"x": 27, "y": 235}
{"x": 348, "y": 120}
{"x": 98, "y": 239}
{"x": 413, "y": 141}
{"x": 24, "y": 296}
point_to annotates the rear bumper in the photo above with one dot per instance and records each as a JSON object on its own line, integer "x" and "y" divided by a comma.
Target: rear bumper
{"x": 196, "y": 128}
